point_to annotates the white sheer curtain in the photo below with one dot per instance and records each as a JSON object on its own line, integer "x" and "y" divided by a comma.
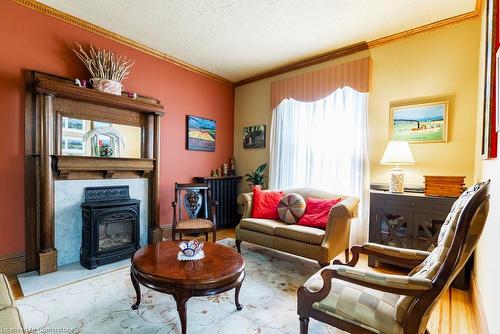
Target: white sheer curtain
{"x": 324, "y": 145}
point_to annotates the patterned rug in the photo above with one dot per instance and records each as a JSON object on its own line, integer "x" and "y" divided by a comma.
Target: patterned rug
{"x": 102, "y": 304}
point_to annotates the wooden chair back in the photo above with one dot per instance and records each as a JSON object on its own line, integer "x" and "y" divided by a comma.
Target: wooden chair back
{"x": 193, "y": 198}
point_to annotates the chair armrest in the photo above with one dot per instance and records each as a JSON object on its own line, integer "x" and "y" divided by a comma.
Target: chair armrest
{"x": 401, "y": 256}
{"x": 246, "y": 200}
{"x": 400, "y": 284}
{"x": 396, "y": 252}
{"x": 338, "y": 229}
{"x": 314, "y": 290}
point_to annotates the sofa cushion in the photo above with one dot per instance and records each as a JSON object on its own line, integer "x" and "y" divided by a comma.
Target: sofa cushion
{"x": 6, "y": 295}
{"x": 305, "y": 234}
{"x": 291, "y": 208}
{"x": 318, "y": 212}
{"x": 265, "y": 203}
{"x": 266, "y": 226}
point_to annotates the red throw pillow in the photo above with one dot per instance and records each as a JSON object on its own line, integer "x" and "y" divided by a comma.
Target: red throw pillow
{"x": 317, "y": 212}
{"x": 265, "y": 203}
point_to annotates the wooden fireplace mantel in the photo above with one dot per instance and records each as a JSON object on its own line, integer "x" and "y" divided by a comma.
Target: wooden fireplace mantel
{"x": 48, "y": 99}
{"x": 76, "y": 167}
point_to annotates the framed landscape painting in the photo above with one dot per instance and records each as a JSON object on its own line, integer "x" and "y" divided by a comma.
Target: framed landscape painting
{"x": 200, "y": 134}
{"x": 254, "y": 136}
{"x": 420, "y": 123}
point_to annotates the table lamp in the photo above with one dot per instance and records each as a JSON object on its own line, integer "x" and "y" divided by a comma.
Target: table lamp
{"x": 397, "y": 153}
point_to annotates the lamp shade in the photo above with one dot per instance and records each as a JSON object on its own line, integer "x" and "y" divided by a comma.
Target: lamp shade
{"x": 397, "y": 153}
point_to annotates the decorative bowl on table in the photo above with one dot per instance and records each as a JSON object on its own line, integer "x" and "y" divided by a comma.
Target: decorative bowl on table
{"x": 190, "y": 250}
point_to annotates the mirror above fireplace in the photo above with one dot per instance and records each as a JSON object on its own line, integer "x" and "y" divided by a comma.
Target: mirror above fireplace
{"x": 92, "y": 138}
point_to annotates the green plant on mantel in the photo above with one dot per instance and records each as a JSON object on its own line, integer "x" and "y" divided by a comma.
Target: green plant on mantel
{"x": 256, "y": 178}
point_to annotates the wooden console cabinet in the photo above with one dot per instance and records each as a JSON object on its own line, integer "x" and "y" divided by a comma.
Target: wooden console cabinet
{"x": 410, "y": 220}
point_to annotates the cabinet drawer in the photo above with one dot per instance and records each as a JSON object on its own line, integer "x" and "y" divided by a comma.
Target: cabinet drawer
{"x": 419, "y": 204}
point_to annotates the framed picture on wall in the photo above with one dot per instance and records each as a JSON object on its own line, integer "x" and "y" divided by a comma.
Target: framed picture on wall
{"x": 200, "y": 134}
{"x": 490, "y": 105}
{"x": 254, "y": 136}
{"x": 420, "y": 122}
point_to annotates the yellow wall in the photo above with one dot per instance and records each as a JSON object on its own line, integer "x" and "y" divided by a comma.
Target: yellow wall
{"x": 439, "y": 63}
{"x": 486, "y": 268}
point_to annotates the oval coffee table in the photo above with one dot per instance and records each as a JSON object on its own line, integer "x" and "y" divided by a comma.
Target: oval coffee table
{"x": 156, "y": 267}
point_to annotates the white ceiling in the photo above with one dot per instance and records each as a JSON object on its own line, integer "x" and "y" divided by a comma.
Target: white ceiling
{"x": 236, "y": 39}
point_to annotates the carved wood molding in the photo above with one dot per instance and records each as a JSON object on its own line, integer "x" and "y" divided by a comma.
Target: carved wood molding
{"x": 70, "y": 91}
{"x": 70, "y": 167}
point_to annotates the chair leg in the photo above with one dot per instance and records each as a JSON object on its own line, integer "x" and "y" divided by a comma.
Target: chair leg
{"x": 180, "y": 236}
{"x": 214, "y": 235}
{"x": 206, "y": 236}
{"x": 304, "y": 325}
{"x": 346, "y": 253}
{"x": 238, "y": 246}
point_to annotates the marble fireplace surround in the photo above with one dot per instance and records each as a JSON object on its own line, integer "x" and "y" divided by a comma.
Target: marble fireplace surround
{"x": 69, "y": 194}
{"x": 55, "y": 182}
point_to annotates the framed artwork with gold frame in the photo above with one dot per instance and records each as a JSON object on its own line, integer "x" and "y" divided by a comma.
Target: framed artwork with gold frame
{"x": 420, "y": 122}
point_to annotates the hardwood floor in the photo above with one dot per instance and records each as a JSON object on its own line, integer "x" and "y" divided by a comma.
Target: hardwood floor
{"x": 452, "y": 314}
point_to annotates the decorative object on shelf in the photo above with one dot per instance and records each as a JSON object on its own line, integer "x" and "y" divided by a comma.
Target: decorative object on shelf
{"x": 218, "y": 172}
{"x": 420, "y": 122}
{"x": 84, "y": 83}
{"x": 444, "y": 186}
{"x": 190, "y": 250}
{"x": 397, "y": 153}
{"x": 254, "y": 136}
{"x": 107, "y": 70}
{"x": 200, "y": 134}
{"x": 225, "y": 169}
{"x": 256, "y": 178}
{"x": 78, "y": 82}
{"x": 132, "y": 95}
{"x": 213, "y": 173}
{"x": 232, "y": 167}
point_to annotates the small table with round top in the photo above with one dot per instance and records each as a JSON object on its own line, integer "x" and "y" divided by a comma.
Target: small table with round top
{"x": 156, "y": 266}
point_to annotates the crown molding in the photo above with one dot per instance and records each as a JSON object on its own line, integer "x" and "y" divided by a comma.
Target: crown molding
{"x": 475, "y": 14}
{"x": 42, "y": 8}
{"x": 337, "y": 53}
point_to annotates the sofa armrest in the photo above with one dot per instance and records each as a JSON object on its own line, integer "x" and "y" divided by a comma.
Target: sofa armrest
{"x": 338, "y": 230}
{"x": 246, "y": 200}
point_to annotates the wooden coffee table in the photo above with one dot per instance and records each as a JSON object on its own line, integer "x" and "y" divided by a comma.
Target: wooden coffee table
{"x": 156, "y": 267}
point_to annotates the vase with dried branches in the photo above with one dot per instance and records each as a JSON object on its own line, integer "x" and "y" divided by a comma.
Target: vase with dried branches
{"x": 107, "y": 70}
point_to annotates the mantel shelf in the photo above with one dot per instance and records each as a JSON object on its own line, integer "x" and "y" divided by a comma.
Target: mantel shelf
{"x": 77, "y": 167}
{"x": 70, "y": 91}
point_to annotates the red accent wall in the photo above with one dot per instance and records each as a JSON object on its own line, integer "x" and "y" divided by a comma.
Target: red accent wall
{"x": 31, "y": 40}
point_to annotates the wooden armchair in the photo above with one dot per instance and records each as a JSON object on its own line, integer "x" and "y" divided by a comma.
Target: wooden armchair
{"x": 193, "y": 198}
{"x": 363, "y": 301}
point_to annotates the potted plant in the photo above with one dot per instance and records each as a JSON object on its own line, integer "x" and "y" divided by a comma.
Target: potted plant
{"x": 107, "y": 70}
{"x": 256, "y": 178}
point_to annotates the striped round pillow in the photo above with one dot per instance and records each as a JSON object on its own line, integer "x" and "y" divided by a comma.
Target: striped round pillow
{"x": 291, "y": 208}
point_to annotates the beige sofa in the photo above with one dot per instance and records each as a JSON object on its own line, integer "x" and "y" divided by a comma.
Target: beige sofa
{"x": 10, "y": 319}
{"x": 313, "y": 243}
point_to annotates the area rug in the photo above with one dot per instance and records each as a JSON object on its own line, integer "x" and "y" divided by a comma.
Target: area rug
{"x": 101, "y": 304}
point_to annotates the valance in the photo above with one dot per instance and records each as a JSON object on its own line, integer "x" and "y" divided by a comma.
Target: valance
{"x": 313, "y": 86}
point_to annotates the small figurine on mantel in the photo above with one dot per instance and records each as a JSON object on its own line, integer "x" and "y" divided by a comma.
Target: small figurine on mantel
{"x": 225, "y": 169}
{"x": 232, "y": 167}
{"x": 213, "y": 173}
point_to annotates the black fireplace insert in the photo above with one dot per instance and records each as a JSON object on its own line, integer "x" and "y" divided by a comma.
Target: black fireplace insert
{"x": 111, "y": 221}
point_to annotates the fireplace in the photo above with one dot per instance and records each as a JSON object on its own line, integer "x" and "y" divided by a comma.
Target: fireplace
{"x": 110, "y": 229}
